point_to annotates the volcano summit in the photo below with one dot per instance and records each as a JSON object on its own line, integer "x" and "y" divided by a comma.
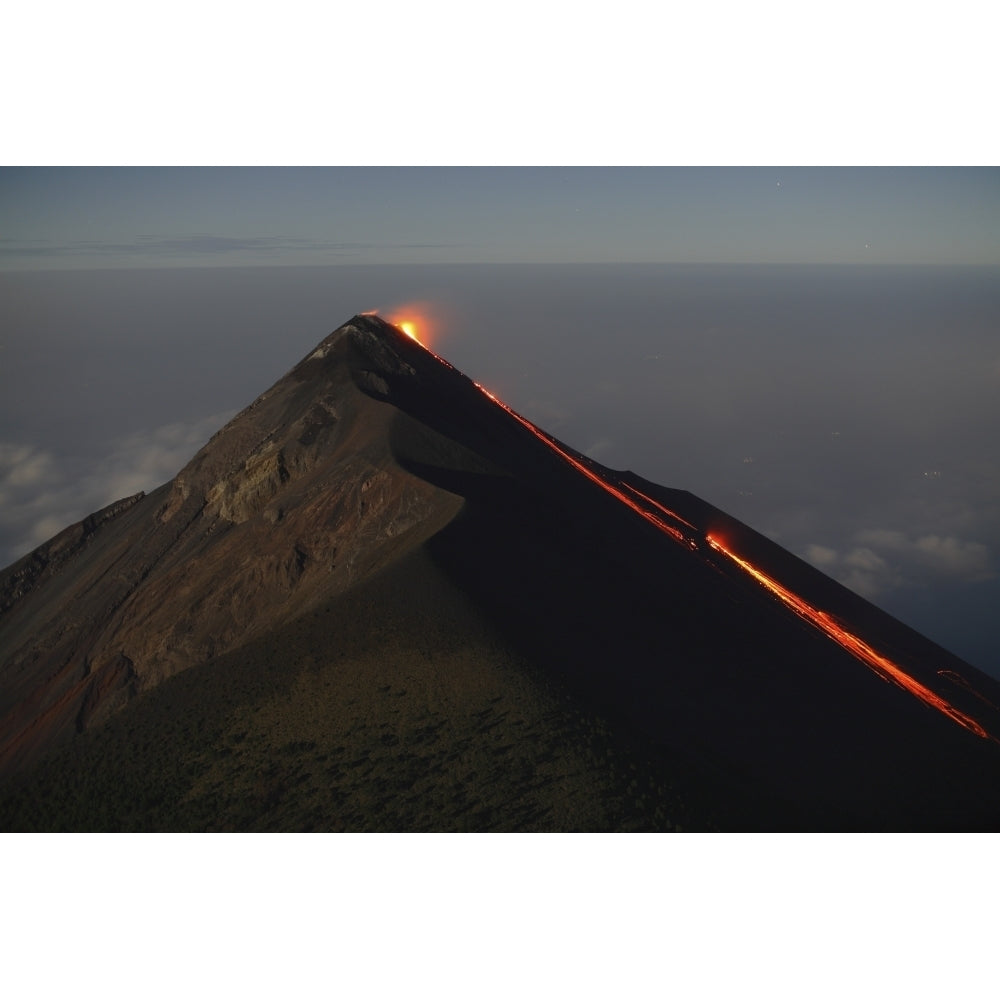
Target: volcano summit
{"x": 379, "y": 598}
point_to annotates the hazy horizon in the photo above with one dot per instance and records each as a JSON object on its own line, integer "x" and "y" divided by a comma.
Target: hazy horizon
{"x": 79, "y": 218}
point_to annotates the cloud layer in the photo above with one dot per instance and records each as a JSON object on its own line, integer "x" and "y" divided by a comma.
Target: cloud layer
{"x": 162, "y": 249}
{"x": 883, "y": 559}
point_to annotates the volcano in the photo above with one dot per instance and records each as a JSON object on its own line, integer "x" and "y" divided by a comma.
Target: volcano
{"x": 379, "y": 598}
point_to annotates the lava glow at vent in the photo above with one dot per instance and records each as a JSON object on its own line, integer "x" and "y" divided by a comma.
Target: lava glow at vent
{"x": 418, "y": 320}
{"x": 857, "y": 647}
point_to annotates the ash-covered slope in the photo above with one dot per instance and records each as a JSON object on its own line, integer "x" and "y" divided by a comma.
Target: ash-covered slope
{"x": 375, "y": 468}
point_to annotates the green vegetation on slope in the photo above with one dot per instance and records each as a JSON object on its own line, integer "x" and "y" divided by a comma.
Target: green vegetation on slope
{"x": 393, "y": 708}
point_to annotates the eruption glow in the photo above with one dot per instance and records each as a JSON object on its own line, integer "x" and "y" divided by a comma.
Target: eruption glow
{"x": 417, "y": 320}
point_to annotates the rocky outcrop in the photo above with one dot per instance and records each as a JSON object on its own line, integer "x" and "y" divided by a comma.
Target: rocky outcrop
{"x": 17, "y": 580}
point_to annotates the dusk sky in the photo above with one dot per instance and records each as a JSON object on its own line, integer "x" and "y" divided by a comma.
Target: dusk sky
{"x": 100, "y": 218}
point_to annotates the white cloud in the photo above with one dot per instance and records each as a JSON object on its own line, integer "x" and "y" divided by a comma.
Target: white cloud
{"x": 22, "y": 465}
{"x": 598, "y": 448}
{"x": 884, "y": 538}
{"x": 42, "y": 494}
{"x": 947, "y": 555}
{"x": 950, "y": 555}
{"x": 862, "y": 584}
{"x": 885, "y": 559}
{"x": 12, "y": 454}
{"x": 821, "y": 556}
{"x": 865, "y": 560}
{"x": 146, "y": 459}
{"x": 32, "y": 489}
{"x": 48, "y": 527}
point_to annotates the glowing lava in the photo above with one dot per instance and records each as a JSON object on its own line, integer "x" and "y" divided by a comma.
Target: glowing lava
{"x": 418, "y": 320}
{"x": 652, "y": 517}
{"x": 685, "y": 533}
{"x": 409, "y": 328}
{"x": 857, "y": 647}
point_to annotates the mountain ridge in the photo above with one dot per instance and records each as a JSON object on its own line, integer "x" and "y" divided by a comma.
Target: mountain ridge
{"x": 372, "y": 451}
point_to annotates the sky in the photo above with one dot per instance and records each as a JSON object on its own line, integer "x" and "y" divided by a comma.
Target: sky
{"x": 196, "y": 217}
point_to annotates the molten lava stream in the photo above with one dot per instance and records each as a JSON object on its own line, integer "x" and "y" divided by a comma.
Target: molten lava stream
{"x": 690, "y": 539}
{"x": 409, "y": 328}
{"x": 881, "y": 665}
{"x": 654, "y": 519}
{"x": 412, "y": 324}
{"x": 956, "y": 678}
{"x": 857, "y": 647}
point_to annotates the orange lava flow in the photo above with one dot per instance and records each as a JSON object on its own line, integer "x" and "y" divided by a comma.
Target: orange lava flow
{"x": 881, "y": 665}
{"x": 956, "y": 678}
{"x": 659, "y": 506}
{"x": 414, "y": 328}
{"x": 649, "y": 516}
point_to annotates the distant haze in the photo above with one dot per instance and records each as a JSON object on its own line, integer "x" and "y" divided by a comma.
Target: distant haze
{"x": 167, "y": 217}
{"x": 850, "y": 413}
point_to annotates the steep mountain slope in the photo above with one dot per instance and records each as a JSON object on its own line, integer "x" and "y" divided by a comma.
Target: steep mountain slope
{"x": 298, "y": 497}
{"x": 393, "y": 568}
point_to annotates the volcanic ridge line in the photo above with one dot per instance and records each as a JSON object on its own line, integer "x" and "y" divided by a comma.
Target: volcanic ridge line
{"x": 692, "y": 538}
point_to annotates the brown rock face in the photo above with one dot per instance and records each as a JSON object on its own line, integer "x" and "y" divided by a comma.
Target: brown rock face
{"x": 297, "y": 498}
{"x": 18, "y": 579}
